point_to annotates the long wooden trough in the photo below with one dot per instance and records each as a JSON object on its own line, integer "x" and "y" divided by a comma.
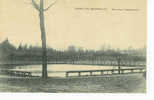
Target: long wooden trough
{"x": 105, "y": 72}
{"x": 16, "y": 73}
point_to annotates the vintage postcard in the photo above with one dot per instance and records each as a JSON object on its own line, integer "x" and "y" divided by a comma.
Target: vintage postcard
{"x": 73, "y": 46}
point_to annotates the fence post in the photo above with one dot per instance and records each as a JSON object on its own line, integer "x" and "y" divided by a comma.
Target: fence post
{"x": 79, "y": 73}
{"x": 91, "y": 73}
{"x": 112, "y": 72}
{"x": 132, "y": 70}
{"x": 141, "y": 70}
{"x": 102, "y": 73}
{"x": 122, "y": 71}
{"x": 119, "y": 64}
{"x": 66, "y": 74}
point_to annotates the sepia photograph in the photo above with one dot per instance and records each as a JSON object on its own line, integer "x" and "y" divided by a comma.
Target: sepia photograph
{"x": 73, "y": 46}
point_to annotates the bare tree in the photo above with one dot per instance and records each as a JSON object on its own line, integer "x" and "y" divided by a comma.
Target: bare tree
{"x": 40, "y": 8}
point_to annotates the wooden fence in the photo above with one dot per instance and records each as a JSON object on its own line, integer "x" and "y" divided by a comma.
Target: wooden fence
{"x": 105, "y": 72}
{"x": 80, "y": 72}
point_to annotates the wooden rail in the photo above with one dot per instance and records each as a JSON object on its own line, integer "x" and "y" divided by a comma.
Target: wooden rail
{"x": 105, "y": 72}
{"x": 16, "y": 73}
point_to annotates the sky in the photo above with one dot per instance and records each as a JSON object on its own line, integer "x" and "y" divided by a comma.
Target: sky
{"x": 66, "y": 24}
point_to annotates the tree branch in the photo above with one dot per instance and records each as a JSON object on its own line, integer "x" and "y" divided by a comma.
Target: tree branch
{"x": 35, "y": 5}
{"x": 50, "y": 5}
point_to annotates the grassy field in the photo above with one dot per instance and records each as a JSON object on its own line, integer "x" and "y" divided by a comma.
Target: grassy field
{"x": 130, "y": 83}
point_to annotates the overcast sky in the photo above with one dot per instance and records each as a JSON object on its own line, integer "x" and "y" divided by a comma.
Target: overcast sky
{"x": 65, "y": 25}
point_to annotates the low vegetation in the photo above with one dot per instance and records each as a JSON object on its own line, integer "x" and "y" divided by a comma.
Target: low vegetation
{"x": 132, "y": 83}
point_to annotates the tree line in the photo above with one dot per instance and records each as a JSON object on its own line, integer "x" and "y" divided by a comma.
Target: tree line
{"x": 9, "y": 52}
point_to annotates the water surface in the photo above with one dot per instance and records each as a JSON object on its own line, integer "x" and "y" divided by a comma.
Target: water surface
{"x": 58, "y": 70}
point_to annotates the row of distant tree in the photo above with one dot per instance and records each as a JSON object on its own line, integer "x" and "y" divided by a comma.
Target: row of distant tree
{"x": 9, "y": 52}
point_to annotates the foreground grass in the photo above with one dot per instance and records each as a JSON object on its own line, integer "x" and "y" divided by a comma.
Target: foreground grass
{"x": 134, "y": 83}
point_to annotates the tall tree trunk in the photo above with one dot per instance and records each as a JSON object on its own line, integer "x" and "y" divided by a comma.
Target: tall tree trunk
{"x": 43, "y": 33}
{"x": 43, "y": 38}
